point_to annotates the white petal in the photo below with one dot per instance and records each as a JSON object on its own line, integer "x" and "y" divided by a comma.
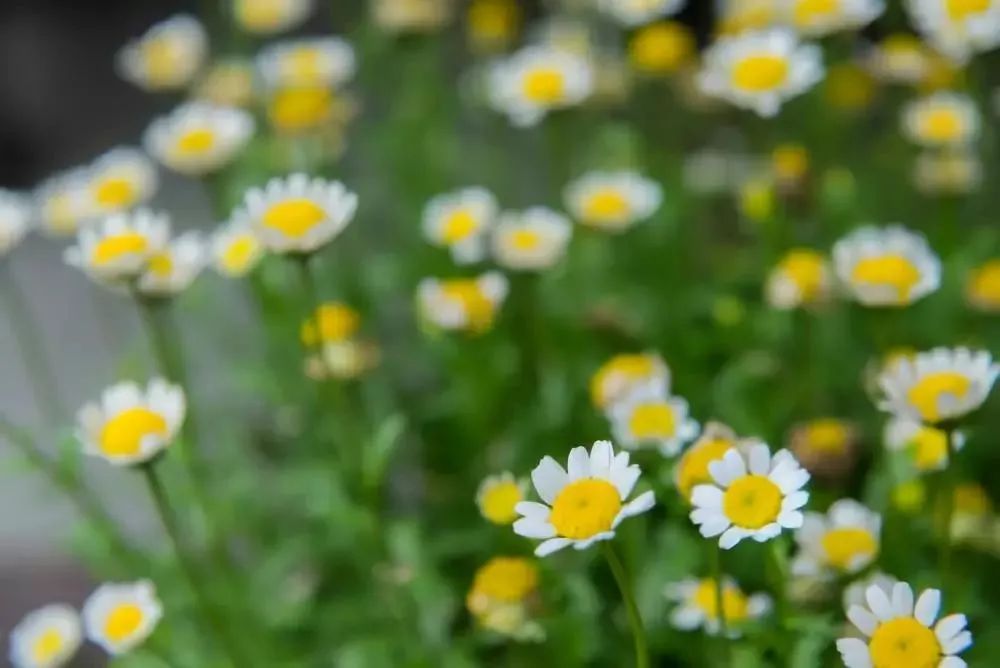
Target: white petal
{"x": 928, "y": 605}
{"x": 549, "y": 479}
{"x": 533, "y": 528}
{"x": 601, "y": 456}
{"x": 731, "y": 537}
{"x": 551, "y": 545}
{"x": 958, "y": 644}
{"x": 760, "y": 459}
{"x": 949, "y": 626}
{"x": 863, "y": 619}
{"x": 879, "y": 604}
{"x": 854, "y": 653}
{"x": 533, "y": 510}
{"x": 687, "y": 617}
{"x": 902, "y": 599}
{"x": 706, "y": 496}
{"x": 714, "y": 526}
{"x": 578, "y": 464}
{"x": 639, "y": 504}
{"x": 952, "y": 662}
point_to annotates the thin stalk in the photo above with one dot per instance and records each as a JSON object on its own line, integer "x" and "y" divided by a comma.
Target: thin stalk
{"x": 718, "y": 575}
{"x": 948, "y": 485}
{"x": 634, "y": 619}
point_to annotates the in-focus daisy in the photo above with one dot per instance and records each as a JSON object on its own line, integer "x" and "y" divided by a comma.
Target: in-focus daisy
{"x": 15, "y": 219}
{"x": 167, "y": 56}
{"x": 822, "y": 17}
{"x": 901, "y": 634}
{"x": 119, "y": 180}
{"x": 760, "y": 70}
{"x": 459, "y": 220}
{"x": 647, "y": 416}
{"x": 121, "y": 616}
{"x": 297, "y": 214}
{"x": 338, "y": 322}
{"x": 826, "y": 447}
{"x": 46, "y": 638}
{"x": 307, "y": 62}
{"x": 692, "y": 468}
{"x": 663, "y": 47}
{"x": 886, "y": 266}
{"x": 227, "y": 83}
{"x": 536, "y": 80}
{"x": 948, "y": 172}
{"x": 982, "y": 287}
{"x": 498, "y": 494}
{"x": 634, "y": 13}
{"x": 844, "y": 540}
{"x": 197, "y": 138}
{"x": 235, "y": 250}
{"x": 926, "y": 446}
{"x": 63, "y": 202}
{"x": 939, "y": 385}
{"x": 462, "y": 304}
{"x": 267, "y": 17}
{"x": 942, "y": 120}
{"x": 502, "y": 593}
{"x": 584, "y": 503}
{"x": 612, "y": 201}
{"x": 752, "y": 495}
{"x": 118, "y": 249}
{"x": 801, "y": 278}
{"x": 958, "y": 28}
{"x": 622, "y": 373}
{"x": 698, "y": 606}
{"x": 174, "y": 268}
{"x": 131, "y": 424}
{"x": 531, "y": 240}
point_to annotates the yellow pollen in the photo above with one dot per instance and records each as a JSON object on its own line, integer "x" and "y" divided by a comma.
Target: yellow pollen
{"x": 585, "y": 508}
{"x": 843, "y": 547}
{"x": 904, "y": 643}
{"x": 734, "y": 601}
{"x": 123, "y": 622}
{"x": 195, "y": 142}
{"x": 652, "y": 420}
{"x": 123, "y": 434}
{"x": 661, "y": 48}
{"x": 827, "y": 436}
{"x": 47, "y": 646}
{"x": 479, "y": 310}
{"x": 752, "y": 502}
{"x": 508, "y": 579}
{"x": 930, "y": 449}
{"x": 959, "y": 10}
{"x": 812, "y": 12}
{"x": 927, "y": 393}
{"x": 942, "y": 125}
{"x": 161, "y": 265}
{"x": 300, "y": 109}
{"x": 760, "y": 73}
{"x": 498, "y": 501}
{"x": 894, "y": 271}
{"x": 805, "y": 268}
{"x": 544, "y": 86}
{"x": 115, "y": 192}
{"x": 693, "y": 467}
{"x": 238, "y": 254}
{"x": 337, "y": 323}
{"x": 525, "y": 240}
{"x": 161, "y": 57}
{"x": 459, "y": 226}
{"x": 294, "y": 217}
{"x": 115, "y": 247}
{"x": 606, "y": 205}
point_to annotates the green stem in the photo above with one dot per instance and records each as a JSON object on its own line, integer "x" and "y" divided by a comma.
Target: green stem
{"x": 718, "y": 575}
{"x": 948, "y": 480}
{"x": 634, "y": 619}
{"x": 778, "y": 562}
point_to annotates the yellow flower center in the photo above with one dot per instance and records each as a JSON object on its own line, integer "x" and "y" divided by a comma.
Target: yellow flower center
{"x": 827, "y": 436}
{"x": 942, "y": 125}
{"x": 752, "y": 502}
{"x": 261, "y": 14}
{"x": 195, "y": 142}
{"x": 115, "y": 192}
{"x": 238, "y": 254}
{"x": 479, "y": 310}
{"x": 585, "y": 508}
{"x": 693, "y": 467}
{"x": 299, "y": 109}
{"x": 524, "y": 240}
{"x": 622, "y": 369}
{"x": 305, "y": 65}
{"x": 294, "y": 217}
{"x": 123, "y": 434}
{"x": 508, "y": 579}
{"x": 984, "y": 285}
{"x": 760, "y": 73}
{"x": 492, "y": 22}
{"x": 606, "y": 204}
{"x": 160, "y": 56}
{"x": 927, "y": 393}
{"x": 47, "y": 646}
{"x": 904, "y": 643}
{"x": 123, "y": 621}
{"x": 498, "y": 501}
{"x": 544, "y": 86}
{"x": 337, "y": 322}
{"x": 652, "y": 420}
{"x": 894, "y": 271}
{"x": 110, "y": 249}
{"x": 811, "y": 12}
{"x": 805, "y": 268}
{"x": 790, "y": 162}
{"x": 458, "y": 226}
{"x": 661, "y": 48}
{"x": 734, "y": 602}
{"x": 959, "y": 10}
{"x": 842, "y": 547}
{"x": 930, "y": 448}
{"x": 161, "y": 265}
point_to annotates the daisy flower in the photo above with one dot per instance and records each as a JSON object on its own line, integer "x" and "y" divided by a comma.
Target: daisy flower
{"x": 801, "y": 278}
{"x": 501, "y": 593}
{"x": 760, "y": 70}
{"x": 664, "y": 47}
{"x": 459, "y": 220}
{"x": 698, "y": 608}
{"x": 498, "y": 495}
{"x": 267, "y": 17}
{"x": 307, "y": 62}
{"x": 826, "y": 447}
{"x": 227, "y": 83}
{"x": 15, "y": 219}
{"x": 740, "y": 16}
{"x": 612, "y": 201}
{"x": 492, "y": 25}
{"x": 982, "y": 287}
{"x": 235, "y": 250}
{"x": 118, "y": 249}
{"x": 62, "y": 202}
{"x": 198, "y": 138}
{"x": 634, "y": 13}
{"x": 647, "y": 416}
{"x": 622, "y": 373}
{"x": 844, "y": 540}
{"x": 583, "y": 504}
{"x": 536, "y": 80}
{"x": 926, "y": 446}
{"x": 297, "y": 214}
{"x": 817, "y": 18}
{"x": 948, "y": 172}
{"x": 174, "y": 269}
{"x": 121, "y": 616}
{"x": 167, "y": 56}
{"x": 119, "y": 180}
{"x": 130, "y": 424}
{"x": 337, "y": 323}
{"x": 939, "y": 385}
{"x": 958, "y": 28}
{"x": 342, "y": 360}
{"x": 46, "y": 638}
{"x": 942, "y": 120}
{"x": 411, "y": 16}
{"x": 531, "y": 240}
{"x": 752, "y": 495}
{"x": 900, "y": 58}
{"x": 899, "y": 633}
{"x": 692, "y": 468}
{"x": 886, "y": 266}
{"x": 462, "y": 304}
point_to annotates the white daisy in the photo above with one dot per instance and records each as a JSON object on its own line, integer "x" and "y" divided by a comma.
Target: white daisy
{"x": 760, "y": 70}
{"x": 459, "y": 220}
{"x": 130, "y": 424}
{"x": 801, "y": 278}
{"x": 698, "y": 606}
{"x": 307, "y": 62}
{"x": 948, "y": 172}
{"x": 174, "y": 268}
{"x": 622, "y": 373}
{"x": 958, "y": 28}
{"x": 926, "y": 446}
{"x": 753, "y": 495}
{"x": 63, "y": 202}
{"x": 939, "y": 385}
{"x": 612, "y": 201}
{"x": 531, "y": 240}
{"x": 900, "y": 58}
{"x": 267, "y": 17}
{"x": 119, "y": 180}
{"x": 197, "y": 138}
{"x": 536, "y": 80}
{"x": 634, "y": 13}
{"x": 886, "y": 266}
{"x": 899, "y": 633}
{"x": 822, "y": 17}
{"x": 15, "y": 219}
{"x": 46, "y": 638}
{"x": 844, "y": 540}
{"x": 942, "y": 120}
{"x": 647, "y": 416}
{"x": 463, "y": 304}
{"x": 498, "y": 495}
{"x": 297, "y": 214}
{"x": 235, "y": 250}
{"x": 228, "y": 82}
{"x": 584, "y": 503}
{"x": 167, "y": 56}
{"x": 121, "y": 616}
{"x": 118, "y": 250}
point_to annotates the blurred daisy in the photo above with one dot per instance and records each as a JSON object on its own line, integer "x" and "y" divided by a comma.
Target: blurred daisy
{"x": 197, "y": 138}
{"x": 498, "y": 494}
{"x": 63, "y": 202}
{"x": 740, "y": 16}
{"x": 647, "y": 417}
{"x": 342, "y": 360}
{"x": 634, "y": 13}
{"x": 801, "y": 278}
{"x": 817, "y": 18}
{"x": 307, "y": 62}
{"x": 664, "y": 47}
{"x": 886, "y": 266}
{"x": 267, "y": 17}
{"x": 235, "y": 250}
{"x": 118, "y": 249}
{"x": 844, "y": 540}
{"x": 982, "y": 287}
{"x": 46, "y": 638}
{"x": 338, "y": 322}
{"x": 584, "y": 504}
{"x": 15, "y": 219}
{"x": 227, "y": 83}
{"x": 899, "y": 633}
{"x": 131, "y": 424}
{"x": 789, "y": 164}
{"x": 698, "y": 606}
{"x": 500, "y": 596}
{"x": 119, "y": 180}
{"x": 492, "y": 25}
{"x": 958, "y": 28}
{"x": 622, "y": 373}
{"x": 459, "y": 220}
{"x": 854, "y": 593}
{"x": 760, "y": 70}
{"x": 826, "y": 447}
{"x": 462, "y": 304}
{"x": 692, "y": 468}
{"x": 849, "y": 87}
{"x": 531, "y": 240}
{"x": 926, "y": 446}
{"x": 297, "y": 213}
{"x": 900, "y": 58}
{"x": 411, "y": 16}
{"x": 121, "y": 616}
{"x": 536, "y": 80}
{"x": 940, "y": 385}
{"x": 948, "y": 172}
{"x": 752, "y": 495}
{"x": 612, "y": 201}
{"x": 298, "y": 110}
{"x": 167, "y": 56}
{"x": 173, "y": 269}
{"x": 942, "y": 120}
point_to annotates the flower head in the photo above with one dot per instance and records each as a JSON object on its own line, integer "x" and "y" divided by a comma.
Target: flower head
{"x": 227, "y": 83}
{"x": 845, "y": 540}
{"x": 459, "y": 221}
{"x": 622, "y": 373}
{"x": 462, "y": 304}
{"x": 958, "y": 28}
{"x": 942, "y": 120}
{"x": 634, "y": 13}
{"x": 119, "y": 249}
{"x": 538, "y": 79}
{"x": 173, "y": 269}
{"x": 501, "y": 594}
{"x": 411, "y": 16}
{"x": 927, "y": 447}
{"x": 531, "y": 240}
{"x": 886, "y": 266}
{"x": 854, "y": 593}
{"x": 801, "y": 278}
{"x": 498, "y": 495}
{"x": 15, "y": 219}
{"x": 63, "y": 202}
{"x": 740, "y": 16}
{"x": 268, "y": 17}
{"x": 900, "y": 58}
{"x": 612, "y": 201}
{"x": 167, "y": 56}
{"x": 646, "y": 416}
{"x": 235, "y": 250}
{"x": 697, "y": 605}
{"x": 119, "y": 180}
{"x": 816, "y": 18}
{"x": 303, "y": 109}
{"x": 692, "y": 468}
{"x": 121, "y": 616}
{"x": 493, "y": 24}
{"x": 584, "y": 503}
{"x": 307, "y": 62}
{"x": 982, "y": 287}
{"x": 198, "y": 138}
{"x": 337, "y": 323}
{"x": 46, "y": 638}
{"x": 826, "y": 447}
{"x": 663, "y": 47}
{"x": 948, "y": 172}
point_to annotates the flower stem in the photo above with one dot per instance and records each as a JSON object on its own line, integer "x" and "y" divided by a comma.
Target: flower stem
{"x": 779, "y": 575}
{"x": 718, "y": 574}
{"x": 634, "y": 619}
{"x": 948, "y": 484}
